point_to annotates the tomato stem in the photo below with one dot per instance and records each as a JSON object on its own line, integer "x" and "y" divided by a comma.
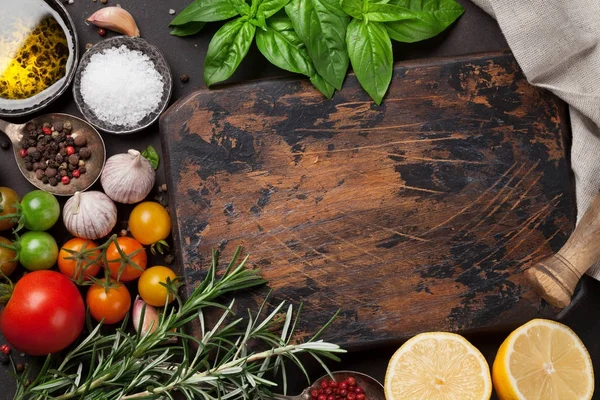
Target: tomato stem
{"x": 13, "y": 247}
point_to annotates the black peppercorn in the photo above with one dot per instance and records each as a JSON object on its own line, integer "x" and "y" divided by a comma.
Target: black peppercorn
{"x": 39, "y": 174}
{"x": 44, "y": 179}
{"x": 184, "y": 78}
{"x": 51, "y": 172}
{"x": 74, "y": 159}
{"x": 53, "y": 181}
{"x": 70, "y": 141}
{"x": 72, "y": 167}
{"x": 29, "y": 166}
{"x": 63, "y": 152}
{"x": 59, "y": 158}
{"x": 82, "y": 170}
{"x": 58, "y": 126}
{"x": 80, "y": 141}
{"x": 85, "y": 153}
{"x": 63, "y": 172}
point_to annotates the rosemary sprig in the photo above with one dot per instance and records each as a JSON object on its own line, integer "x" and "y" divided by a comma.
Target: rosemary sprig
{"x": 227, "y": 362}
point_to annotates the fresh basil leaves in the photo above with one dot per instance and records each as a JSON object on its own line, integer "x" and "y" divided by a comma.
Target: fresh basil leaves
{"x": 281, "y": 45}
{"x": 227, "y": 49}
{"x": 316, "y": 38}
{"x": 431, "y": 17}
{"x": 152, "y": 156}
{"x": 321, "y": 24}
{"x": 370, "y": 50}
{"x": 189, "y": 28}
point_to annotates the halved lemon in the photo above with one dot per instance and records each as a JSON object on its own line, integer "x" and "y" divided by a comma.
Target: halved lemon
{"x": 543, "y": 360}
{"x": 438, "y": 366}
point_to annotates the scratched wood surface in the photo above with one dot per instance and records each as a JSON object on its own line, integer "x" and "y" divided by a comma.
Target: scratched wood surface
{"x": 416, "y": 215}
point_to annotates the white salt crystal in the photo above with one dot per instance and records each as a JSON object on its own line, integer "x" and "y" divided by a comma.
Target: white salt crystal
{"x": 171, "y": 11}
{"x": 121, "y": 86}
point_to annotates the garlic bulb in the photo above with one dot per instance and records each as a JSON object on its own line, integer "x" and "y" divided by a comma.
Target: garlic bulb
{"x": 90, "y": 215}
{"x": 127, "y": 178}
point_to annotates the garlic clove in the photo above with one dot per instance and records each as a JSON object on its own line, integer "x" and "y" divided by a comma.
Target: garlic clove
{"x": 116, "y": 19}
{"x": 150, "y": 322}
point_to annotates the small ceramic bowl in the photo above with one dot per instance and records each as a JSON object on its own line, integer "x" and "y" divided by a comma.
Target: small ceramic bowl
{"x": 21, "y": 107}
{"x": 132, "y": 43}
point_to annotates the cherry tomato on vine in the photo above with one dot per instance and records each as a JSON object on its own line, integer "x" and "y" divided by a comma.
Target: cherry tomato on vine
{"x": 37, "y": 250}
{"x": 39, "y": 210}
{"x": 8, "y": 205}
{"x": 149, "y": 222}
{"x": 8, "y": 256}
{"x": 89, "y": 261}
{"x": 110, "y": 302}
{"x": 135, "y": 253}
{"x": 44, "y": 315}
{"x": 150, "y": 288}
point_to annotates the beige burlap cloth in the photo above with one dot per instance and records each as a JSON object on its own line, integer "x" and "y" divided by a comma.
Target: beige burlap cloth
{"x": 557, "y": 44}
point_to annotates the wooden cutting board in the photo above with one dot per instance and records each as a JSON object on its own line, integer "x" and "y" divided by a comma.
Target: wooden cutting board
{"x": 416, "y": 215}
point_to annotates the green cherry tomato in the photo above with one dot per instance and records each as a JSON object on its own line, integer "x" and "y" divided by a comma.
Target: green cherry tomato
{"x": 8, "y": 205}
{"x": 37, "y": 250}
{"x": 40, "y": 210}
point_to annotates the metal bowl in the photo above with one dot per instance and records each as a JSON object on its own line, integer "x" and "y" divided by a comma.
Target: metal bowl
{"x": 161, "y": 66}
{"x": 16, "y": 108}
{"x": 95, "y": 144}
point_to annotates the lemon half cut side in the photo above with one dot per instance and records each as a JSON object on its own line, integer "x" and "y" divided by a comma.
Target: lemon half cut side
{"x": 543, "y": 360}
{"x": 438, "y": 366}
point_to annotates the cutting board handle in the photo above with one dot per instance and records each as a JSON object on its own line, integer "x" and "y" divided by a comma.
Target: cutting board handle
{"x": 555, "y": 277}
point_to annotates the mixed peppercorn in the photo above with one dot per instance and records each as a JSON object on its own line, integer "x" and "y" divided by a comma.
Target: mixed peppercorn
{"x": 333, "y": 390}
{"x": 53, "y": 154}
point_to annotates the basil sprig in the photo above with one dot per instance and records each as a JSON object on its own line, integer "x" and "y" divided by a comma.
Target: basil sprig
{"x": 316, "y": 38}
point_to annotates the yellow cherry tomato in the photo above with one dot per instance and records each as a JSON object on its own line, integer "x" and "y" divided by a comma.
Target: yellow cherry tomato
{"x": 149, "y": 222}
{"x": 150, "y": 288}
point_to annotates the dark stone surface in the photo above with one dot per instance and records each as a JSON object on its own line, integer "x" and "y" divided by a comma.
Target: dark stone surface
{"x": 474, "y": 32}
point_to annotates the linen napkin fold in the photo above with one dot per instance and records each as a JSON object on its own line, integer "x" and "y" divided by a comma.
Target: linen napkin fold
{"x": 557, "y": 45}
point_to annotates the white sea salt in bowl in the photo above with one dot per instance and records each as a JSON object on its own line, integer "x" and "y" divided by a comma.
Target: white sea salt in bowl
{"x": 122, "y": 85}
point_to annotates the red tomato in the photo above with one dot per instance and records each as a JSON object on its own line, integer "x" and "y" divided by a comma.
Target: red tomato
{"x": 45, "y": 313}
{"x": 129, "y": 272}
